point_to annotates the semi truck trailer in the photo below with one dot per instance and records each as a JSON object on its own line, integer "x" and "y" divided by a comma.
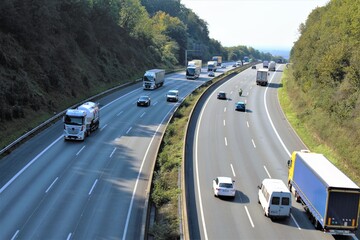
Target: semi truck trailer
{"x": 217, "y": 59}
{"x": 153, "y": 78}
{"x": 329, "y": 197}
{"x": 262, "y": 76}
{"x": 80, "y": 122}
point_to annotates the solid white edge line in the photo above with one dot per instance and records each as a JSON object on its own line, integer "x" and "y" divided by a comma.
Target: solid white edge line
{"x": 139, "y": 174}
{"x": 271, "y": 122}
{"x": 197, "y": 172}
{"x": 273, "y": 127}
{"x": 247, "y": 212}
{"x": 29, "y": 164}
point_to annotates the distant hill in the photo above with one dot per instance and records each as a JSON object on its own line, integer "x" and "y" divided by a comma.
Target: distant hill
{"x": 285, "y": 53}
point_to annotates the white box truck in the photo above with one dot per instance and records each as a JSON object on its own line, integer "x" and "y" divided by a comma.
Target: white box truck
{"x": 153, "y": 78}
{"x": 272, "y": 66}
{"x": 262, "y": 77}
{"x": 265, "y": 64}
{"x": 80, "y": 122}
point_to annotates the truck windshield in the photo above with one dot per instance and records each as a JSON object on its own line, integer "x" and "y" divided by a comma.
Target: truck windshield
{"x": 190, "y": 71}
{"x": 148, "y": 78}
{"x": 73, "y": 120}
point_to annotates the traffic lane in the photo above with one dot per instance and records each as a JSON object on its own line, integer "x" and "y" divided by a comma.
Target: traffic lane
{"x": 217, "y": 167}
{"x": 70, "y": 190}
{"x": 289, "y": 137}
{"x": 272, "y": 155}
{"x": 63, "y": 161}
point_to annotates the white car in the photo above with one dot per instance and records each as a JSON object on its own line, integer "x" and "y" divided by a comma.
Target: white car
{"x": 224, "y": 186}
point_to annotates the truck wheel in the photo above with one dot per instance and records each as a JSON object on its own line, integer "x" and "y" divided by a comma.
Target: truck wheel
{"x": 317, "y": 224}
{"x": 297, "y": 197}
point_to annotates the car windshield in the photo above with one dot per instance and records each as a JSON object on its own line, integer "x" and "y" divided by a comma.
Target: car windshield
{"x": 143, "y": 98}
{"x": 226, "y": 185}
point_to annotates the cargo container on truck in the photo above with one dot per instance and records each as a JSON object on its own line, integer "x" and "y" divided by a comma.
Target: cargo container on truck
{"x": 217, "y": 59}
{"x": 262, "y": 77}
{"x": 328, "y": 195}
{"x": 80, "y": 122}
{"x": 265, "y": 64}
{"x": 212, "y": 66}
{"x": 193, "y": 69}
{"x": 153, "y": 78}
{"x": 272, "y": 66}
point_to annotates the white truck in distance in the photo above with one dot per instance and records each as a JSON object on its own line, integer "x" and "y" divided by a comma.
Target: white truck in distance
{"x": 80, "y": 122}
{"x": 212, "y": 65}
{"x": 265, "y": 64}
{"x": 272, "y": 66}
{"x": 153, "y": 78}
{"x": 193, "y": 69}
{"x": 262, "y": 77}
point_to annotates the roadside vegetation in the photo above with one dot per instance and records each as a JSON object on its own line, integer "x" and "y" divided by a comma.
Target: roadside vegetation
{"x": 166, "y": 188}
{"x": 54, "y": 54}
{"x": 321, "y": 94}
{"x": 166, "y": 191}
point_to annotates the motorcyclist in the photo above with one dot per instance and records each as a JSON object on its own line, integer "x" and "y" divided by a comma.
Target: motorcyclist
{"x": 240, "y": 92}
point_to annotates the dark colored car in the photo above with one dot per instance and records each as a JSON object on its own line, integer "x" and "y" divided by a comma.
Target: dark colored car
{"x": 240, "y": 106}
{"x": 144, "y": 101}
{"x": 221, "y": 95}
{"x": 253, "y": 66}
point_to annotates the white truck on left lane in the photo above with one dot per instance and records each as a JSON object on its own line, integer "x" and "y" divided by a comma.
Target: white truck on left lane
{"x": 153, "y": 78}
{"x": 80, "y": 122}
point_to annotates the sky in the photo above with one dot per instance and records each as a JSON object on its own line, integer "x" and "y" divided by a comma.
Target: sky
{"x": 261, "y": 24}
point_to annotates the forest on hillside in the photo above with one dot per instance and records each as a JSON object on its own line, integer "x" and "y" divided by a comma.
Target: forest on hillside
{"x": 325, "y": 81}
{"x": 54, "y": 54}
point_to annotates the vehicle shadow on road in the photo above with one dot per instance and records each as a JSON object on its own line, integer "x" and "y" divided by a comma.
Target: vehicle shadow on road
{"x": 275, "y": 85}
{"x": 241, "y": 197}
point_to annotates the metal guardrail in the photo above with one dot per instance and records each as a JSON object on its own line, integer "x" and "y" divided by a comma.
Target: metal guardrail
{"x": 57, "y": 116}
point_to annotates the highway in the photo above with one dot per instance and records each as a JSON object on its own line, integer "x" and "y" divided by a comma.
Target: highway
{"x": 95, "y": 189}
{"x": 247, "y": 146}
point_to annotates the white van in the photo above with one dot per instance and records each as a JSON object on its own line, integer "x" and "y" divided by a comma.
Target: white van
{"x": 275, "y": 198}
{"x": 172, "y": 95}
